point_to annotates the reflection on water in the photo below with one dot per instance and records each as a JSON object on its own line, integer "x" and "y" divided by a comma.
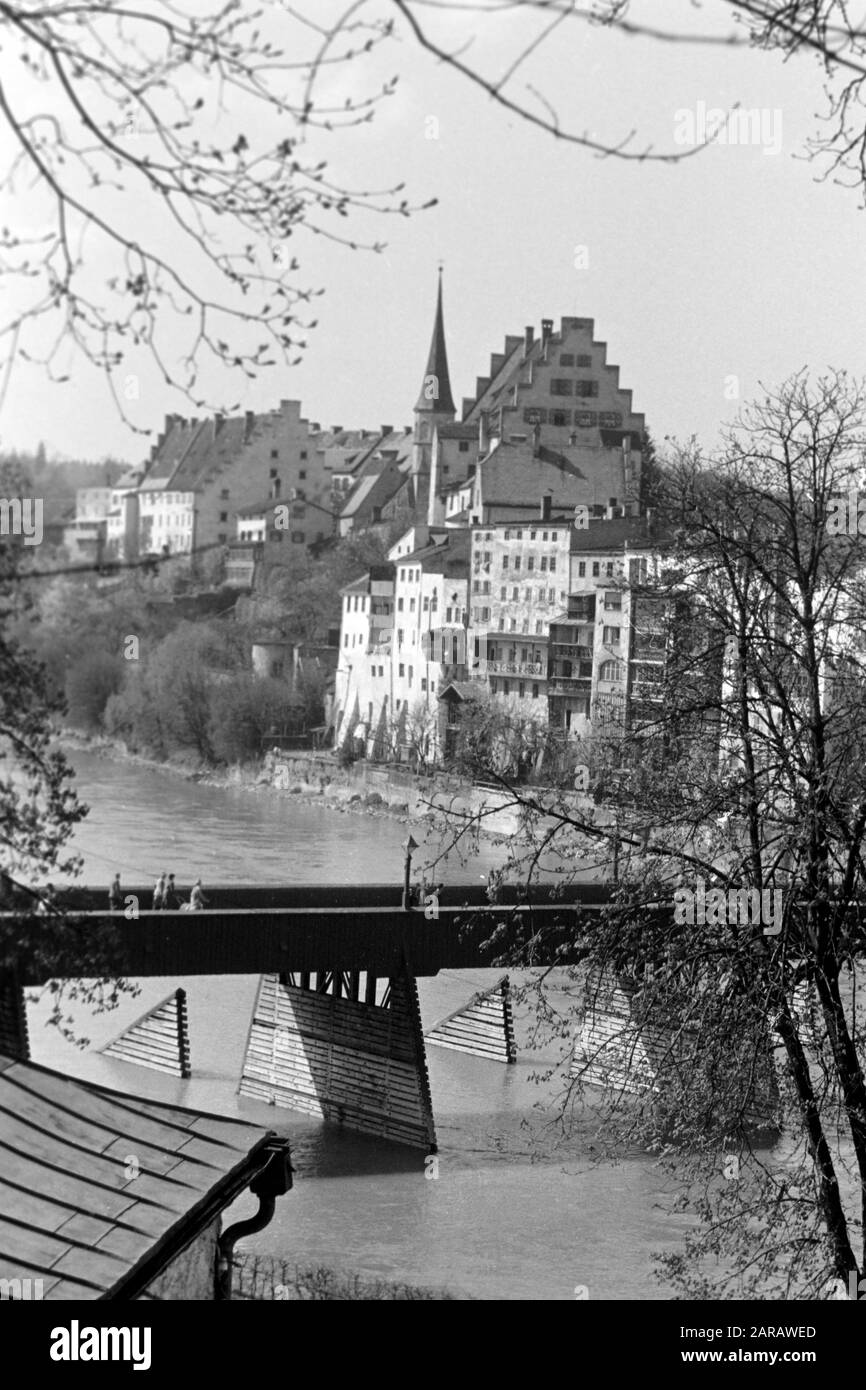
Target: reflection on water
{"x": 516, "y": 1211}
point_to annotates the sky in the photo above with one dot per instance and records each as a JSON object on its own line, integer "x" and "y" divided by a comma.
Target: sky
{"x": 707, "y": 278}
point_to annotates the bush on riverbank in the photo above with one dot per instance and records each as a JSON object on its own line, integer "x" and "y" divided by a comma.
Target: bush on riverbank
{"x": 264, "y": 1278}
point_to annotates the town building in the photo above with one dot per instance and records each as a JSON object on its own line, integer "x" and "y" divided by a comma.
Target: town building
{"x": 607, "y": 647}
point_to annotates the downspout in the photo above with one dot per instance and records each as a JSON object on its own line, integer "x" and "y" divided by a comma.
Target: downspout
{"x": 274, "y": 1181}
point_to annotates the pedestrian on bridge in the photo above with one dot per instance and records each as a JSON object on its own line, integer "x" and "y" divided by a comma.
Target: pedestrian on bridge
{"x": 115, "y": 895}
{"x": 197, "y": 899}
{"x": 159, "y": 893}
{"x": 170, "y": 899}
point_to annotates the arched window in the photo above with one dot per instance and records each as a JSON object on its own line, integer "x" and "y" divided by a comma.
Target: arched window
{"x": 612, "y": 671}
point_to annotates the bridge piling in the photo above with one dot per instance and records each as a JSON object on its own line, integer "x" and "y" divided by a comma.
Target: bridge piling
{"x": 328, "y": 1054}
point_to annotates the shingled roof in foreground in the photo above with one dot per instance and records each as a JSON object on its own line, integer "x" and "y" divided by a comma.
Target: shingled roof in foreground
{"x": 99, "y": 1191}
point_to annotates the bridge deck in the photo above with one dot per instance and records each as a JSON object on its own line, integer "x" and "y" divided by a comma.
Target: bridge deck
{"x": 253, "y": 939}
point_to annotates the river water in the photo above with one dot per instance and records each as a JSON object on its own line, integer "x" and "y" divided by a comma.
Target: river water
{"x": 517, "y": 1211}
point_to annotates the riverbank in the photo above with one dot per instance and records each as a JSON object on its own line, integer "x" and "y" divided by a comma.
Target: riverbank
{"x": 318, "y": 778}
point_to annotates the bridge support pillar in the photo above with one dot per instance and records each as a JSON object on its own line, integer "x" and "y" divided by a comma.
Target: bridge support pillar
{"x": 159, "y": 1039}
{"x": 323, "y": 1051}
{"x": 484, "y": 1027}
{"x": 14, "y": 1038}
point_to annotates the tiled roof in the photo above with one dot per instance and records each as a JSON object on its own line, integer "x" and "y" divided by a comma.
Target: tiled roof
{"x": 602, "y": 534}
{"x": 457, "y": 431}
{"x": 465, "y": 690}
{"x": 71, "y": 1214}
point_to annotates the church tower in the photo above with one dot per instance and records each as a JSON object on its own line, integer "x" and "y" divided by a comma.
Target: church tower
{"x": 435, "y": 404}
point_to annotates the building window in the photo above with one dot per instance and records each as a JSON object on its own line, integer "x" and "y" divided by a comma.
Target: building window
{"x": 400, "y": 605}
{"x": 501, "y": 623}
{"x": 302, "y": 473}
{"x": 609, "y": 569}
{"x": 401, "y": 669}
{"x": 411, "y": 605}
{"x": 298, "y": 537}
{"x": 586, "y": 388}
{"x": 513, "y": 627}
{"x": 505, "y": 562}
{"x": 552, "y": 563}
{"x": 521, "y": 689}
{"x": 530, "y": 563}
{"x": 554, "y": 536}
{"x": 612, "y": 671}
{"x": 346, "y": 640}
{"x": 561, "y": 386}
{"x": 560, "y": 418}
{"x": 222, "y": 537}
{"x": 584, "y": 359}
{"x": 447, "y": 615}
{"x": 426, "y": 604}
{"x": 503, "y": 592}
{"x": 527, "y": 595}
{"x": 515, "y": 594}
{"x": 566, "y": 359}
{"x": 525, "y": 625}
{"x": 517, "y": 562}
{"x": 411, "y": 674}
{"x": 611, "y": 636}
{"x": 596, "y": 569}
{"x": 535, "y": 691}
{"x": 538, "y": 627}
{"x": 485, "y": 615}
{"x": 519, "y": 535}
{"x": 463, "y": 447}
{"x": 543, "y": 565}
{"x": 551, "y": 596}
{"x": 303, "y": 455}
{"x": 224, "y": 495}
{"x": 399, "y": 636}
{"x": 581, "y": 569}
{"x": 224, "y": 516}
{"x": 423, "y": 683}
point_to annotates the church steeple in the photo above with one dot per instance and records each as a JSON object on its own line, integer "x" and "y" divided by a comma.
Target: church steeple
{"x": 435, "y": 397}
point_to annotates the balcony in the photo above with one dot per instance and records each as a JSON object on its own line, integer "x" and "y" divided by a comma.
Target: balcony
{"x": 535, "y": 669}
{"x": 569, "y": 685}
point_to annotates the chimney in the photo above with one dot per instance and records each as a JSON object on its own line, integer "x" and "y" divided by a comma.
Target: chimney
{"x": 218, "y": 422}
{"x": 483, "y": 433}
{"x": 546, "y": 504}
{"x": 546, "y": 331}
{"x": 528, "y": 339}
{"x": 335, "y": 429}
{"x": 386, "y": 429}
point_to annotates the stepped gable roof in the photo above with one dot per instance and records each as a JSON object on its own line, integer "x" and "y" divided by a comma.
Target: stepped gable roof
{"x": 437, "y": 366}
{"x": 69, "y": 1213}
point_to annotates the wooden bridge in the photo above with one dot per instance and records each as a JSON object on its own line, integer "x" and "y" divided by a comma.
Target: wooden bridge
{"x": 336, "y": 1029}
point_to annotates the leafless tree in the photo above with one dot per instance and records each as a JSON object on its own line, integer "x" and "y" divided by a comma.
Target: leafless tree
{"x": 155, "y": 208}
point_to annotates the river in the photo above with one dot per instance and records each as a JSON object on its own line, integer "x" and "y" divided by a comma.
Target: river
{"x": 516, "y": 1211}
